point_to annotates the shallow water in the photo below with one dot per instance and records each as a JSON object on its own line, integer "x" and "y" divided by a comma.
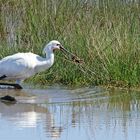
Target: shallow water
{"x": 70, "y": 114}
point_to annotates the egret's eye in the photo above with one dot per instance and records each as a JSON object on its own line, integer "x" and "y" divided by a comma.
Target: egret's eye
{"x": 57, "y": 44}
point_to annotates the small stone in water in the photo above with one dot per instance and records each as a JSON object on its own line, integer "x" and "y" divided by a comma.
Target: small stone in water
{"x": 8, "y": 98}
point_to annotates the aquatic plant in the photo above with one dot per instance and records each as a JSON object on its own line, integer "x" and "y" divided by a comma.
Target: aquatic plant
{"x": 105, "y": 34}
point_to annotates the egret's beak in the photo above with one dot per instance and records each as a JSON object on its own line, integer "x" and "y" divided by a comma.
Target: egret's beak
{"x": 64, "y": 50}
{"x": 70, "y": 55}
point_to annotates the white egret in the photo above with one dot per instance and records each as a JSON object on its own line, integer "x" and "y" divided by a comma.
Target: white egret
{"x": 21, "y": 66}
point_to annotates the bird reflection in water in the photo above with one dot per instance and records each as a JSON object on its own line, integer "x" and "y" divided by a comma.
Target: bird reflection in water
{"x": 29, "y": 114}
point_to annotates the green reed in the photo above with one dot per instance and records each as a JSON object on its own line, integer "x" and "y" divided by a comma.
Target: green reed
{"x": 104, "y": 34}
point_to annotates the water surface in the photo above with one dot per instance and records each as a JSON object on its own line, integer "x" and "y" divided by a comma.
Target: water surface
{"x": 70, "y": 114}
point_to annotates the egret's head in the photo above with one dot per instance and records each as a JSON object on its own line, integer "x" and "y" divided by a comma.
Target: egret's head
{"x": 52, "y": 46}
{"x": 56, "y": 45}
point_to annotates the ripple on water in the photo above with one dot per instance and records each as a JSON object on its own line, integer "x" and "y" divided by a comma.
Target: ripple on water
{"x": 86, "y": 113}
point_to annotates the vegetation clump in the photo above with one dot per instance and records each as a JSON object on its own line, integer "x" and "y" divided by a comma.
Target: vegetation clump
{"x": 104, "y": 33}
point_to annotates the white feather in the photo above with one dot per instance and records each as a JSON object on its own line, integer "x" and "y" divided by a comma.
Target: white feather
{"x": 23, "y": 65}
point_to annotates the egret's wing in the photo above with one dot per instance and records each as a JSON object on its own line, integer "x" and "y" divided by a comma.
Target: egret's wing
{"x": 13, "y": 65}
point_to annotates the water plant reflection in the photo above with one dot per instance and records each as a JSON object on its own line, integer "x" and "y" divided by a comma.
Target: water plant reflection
{"x": 62, "y": 113}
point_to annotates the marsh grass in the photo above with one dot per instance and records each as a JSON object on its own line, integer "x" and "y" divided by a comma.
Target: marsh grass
{"x": 106, "y": 34}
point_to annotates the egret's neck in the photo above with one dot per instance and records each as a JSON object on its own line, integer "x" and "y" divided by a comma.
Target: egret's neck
{"x": 45, "y": 63}
{"x": 50, "y": 57}
{"x": 49, "y": 60}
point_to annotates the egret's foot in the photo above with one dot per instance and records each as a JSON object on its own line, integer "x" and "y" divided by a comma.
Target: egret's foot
{"x": 16, "y": 86}
{"x": 2, "y": 77}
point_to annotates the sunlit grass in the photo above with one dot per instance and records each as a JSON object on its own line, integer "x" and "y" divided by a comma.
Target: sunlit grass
{"x": 105, "y": 35}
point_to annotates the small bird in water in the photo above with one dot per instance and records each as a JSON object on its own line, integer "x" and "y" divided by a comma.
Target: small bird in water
{"x": 21, "y": 66}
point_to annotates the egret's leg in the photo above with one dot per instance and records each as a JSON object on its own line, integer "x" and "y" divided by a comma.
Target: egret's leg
{"x": 2, "y": 77}
{"x": 16, "y": 86}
